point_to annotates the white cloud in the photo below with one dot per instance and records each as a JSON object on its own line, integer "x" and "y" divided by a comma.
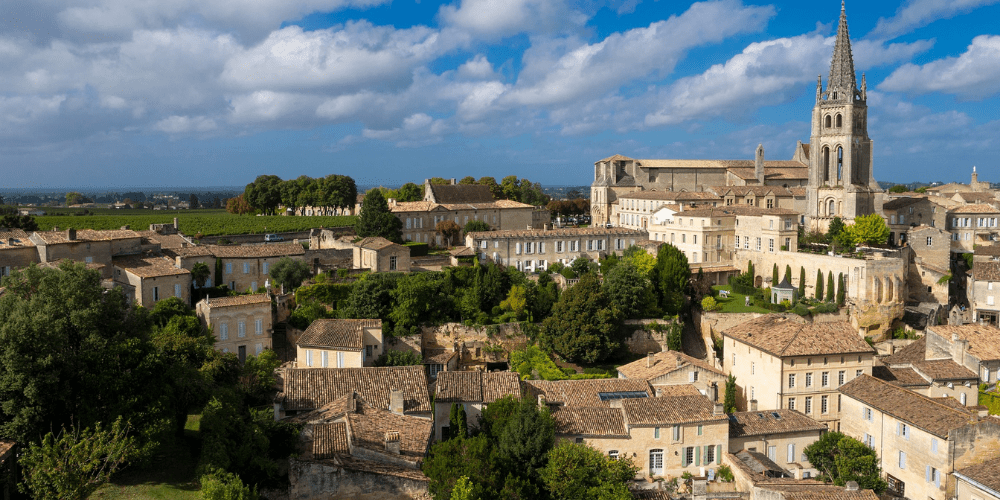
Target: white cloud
{"x": 418, "y": 129}
{"x": 492, "y": 19}
{"x": 559, "y": 71}
{"x": 919, "y": 13}
{"x": 183, "y": 124}
{"x": 267, "y": 106}
{"x": 973, "y": 75}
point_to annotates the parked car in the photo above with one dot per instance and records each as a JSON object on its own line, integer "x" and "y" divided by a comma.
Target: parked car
{"x": 273, "y": 237}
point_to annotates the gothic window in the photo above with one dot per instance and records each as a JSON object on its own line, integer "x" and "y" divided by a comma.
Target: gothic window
{"x": 828, "y": 121}
{"x": 830, "y": 209}
{"x": 840, "y": 121}
{"x": 840, "y": 161}
{"x": 826, "y": 162}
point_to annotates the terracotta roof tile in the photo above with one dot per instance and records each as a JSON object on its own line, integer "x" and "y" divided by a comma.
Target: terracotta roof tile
{"x": 470, "y": 387}
{"x": 900, "y": 203}
{"x": 616, "y": 157}
{"x": 595, "y": 422}
{"x": 197, "y": 251}
{"x": 782, "y": 336}
{"x": 583, "y": 392}
{"x": 669, "y": 410}
{"x": 311, "y": 388}
{"x": 945, "y": 370}
{"x": 664, "y": 362}
{"x": 370, "y": 424}
{"x": 770, "y": 422}
{"x": 327, "y": 413}
{"x": 678, "y": 390}
{"x": 19, "y": 237}
{"x": 984, "y": 341}
{"x": 330, "y": 440}
{"x": 986, "y": 474}
{"x": 913, "y": 352}
{"x": 823, "y": 492}
{"x": 374, "y": 243}
{"x": 497, "y": 385}
{"x": 239, "y": 300}
{"x": 57, "y": 237}
{"x": 149, "y": 267}
{"x": 993, "y": 249}
{"x": 906, "y": 405}
{"x": 567, "y": 232}
{"x": 670, "y": 195}
{"x": 977, "y": 208}
{"x": 438, "y": 356}
{"x": 338, "y": 333}
{"x": 986, "y": 271}
{"x": 266, "y": 250}
{"x": 904, "y": 377}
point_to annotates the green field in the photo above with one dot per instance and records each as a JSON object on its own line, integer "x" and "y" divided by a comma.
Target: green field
{"x": 190, "y": 222}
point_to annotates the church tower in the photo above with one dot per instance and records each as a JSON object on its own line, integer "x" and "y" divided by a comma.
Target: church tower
{"x": 841, "y": 183}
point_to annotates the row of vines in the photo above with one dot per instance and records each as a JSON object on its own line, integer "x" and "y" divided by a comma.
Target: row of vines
{"x": 195, "y": 222}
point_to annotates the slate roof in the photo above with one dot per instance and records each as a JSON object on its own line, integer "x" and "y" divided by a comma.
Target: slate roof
{"x": 763, "y": 423}
{"x": 986, "y": 271}
{"x": 583, "y": 392}
{"x": 461, "y": 193}
{"x": 984, "y": 341}
{"x": 919, "y": 410}
{"x": 594, "y": 422}
{"x": 469, "y": 387}
{"x": 338, "y": 333}
{"x": 664, "y": 362}
{"x": 781, "y": 336}
{"x": 312, "y": 388}
{"x": 149, "y": 267}
{"x": 645, "y": 412}
{"x": 257, "y": 251}
{"x": 239, "y": 300}
{"x": 986, "y": 474}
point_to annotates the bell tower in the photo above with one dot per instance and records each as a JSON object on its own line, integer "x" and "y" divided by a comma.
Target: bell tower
{"x": 841, "y": 182}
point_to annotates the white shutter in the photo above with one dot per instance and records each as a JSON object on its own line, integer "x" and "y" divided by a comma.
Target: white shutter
{"x": 517, "y": 248}
{"x": 927, "y": 473}
{"x": 326, "y": 359}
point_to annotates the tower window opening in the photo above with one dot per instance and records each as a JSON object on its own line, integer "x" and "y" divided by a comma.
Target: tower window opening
{"x": 840, "y": 161}
{"x": 828, "y": 121}
{"x": 840, "y": 121}
{"x": 826, "y": 163}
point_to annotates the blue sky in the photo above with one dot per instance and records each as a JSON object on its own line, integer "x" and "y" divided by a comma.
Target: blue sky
{"x": 133, "y": 94}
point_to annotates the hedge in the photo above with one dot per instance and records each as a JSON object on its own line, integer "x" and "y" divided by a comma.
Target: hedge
{"x": 325, "y": 293}
{"x": 417, "y": 249}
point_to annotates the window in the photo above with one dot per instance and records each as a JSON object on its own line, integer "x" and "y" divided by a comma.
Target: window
{"x": 700, "y": 430}
{"x": 933, "y": 475}
{"x": 392, "y": 262}
{"x": 224, "y": 331}
{"x": 267, "y": 267}
{"x": 656, "y": 462}
{"x": 656, "y": 433}
{"x": 688, "y": 456}
{"x": 752, "y": 366}
{"x": 858, "y": 373}
{"x": 903, "y": 430}
{"x": 258, "y": 326}
{"x": 369, "y": 350}
{"x": 340, "y": 360}
{"x": 809, "y": 405}
{"x": 242, "y": 327}
{"x": 809, "y": 379}
{"x": 246, "y": 268}
{"x": 676, "y": 434}
{"x": 693, "y": 376}
{"x": 791, "y": 452}
{"x": 772, "y": 452}
{"x": 868, "y": 440}
{"x": 309, "y": 358}
{"x": 325, "y": 356}
{"x": 934, "y": 446}
{"x": 258, "y": 348}
{"x": 866, "y": 414}
{"x": 229, "y": 267}
{"x": 902, "y": 459}
{"x": 709, "y": 454}
{"x": 758, "y": 243}
{"x": 825, "y": 379}
{"x": 791, "y": 380}
{"x": 824, "y": 406}
{"x": 840, "y": 377}
{"x": 770, "y": 244}
{"x": 791, "y": 403}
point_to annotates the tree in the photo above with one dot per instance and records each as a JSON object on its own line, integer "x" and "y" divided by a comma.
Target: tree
{"x": 399, "y": 358}
{"x": 836, "y": 227}
{"x": 375, "y": 219}
{"x": 840, "y": 290}
{"x": 629, "y": 290}
{"x": 290, "y": 272}
{"x": 819, "y": 284}
{"x": 640, "y": 258}
{"x": 238, "y": 205}
{"x": 922, "y": 189}
{"x": 200, "y": 272}
{"x": 829, "y": 287}
{"x": 672, "y": 277}
{"x": 476, "y": 459}
{"x": 868, "y": 229}
{"x": 788, "y": 274}
{"x": 774, "y": 275}
{"x": 448, "y": 230}
{"x": 526, "y": 437}
{"x": 898, "y": 188}
{"x": 584, "y": 324}
{"x": 193, "y": 202}
{"x": 72, "y": 464}
{"x": 516, "y": 301}
{"x": 709, "y": 304}
{"x": 581, "y": 265}
{"x": 410, "y": 192}
{"x": 841, "y": 459}
{"x": 12, "y": 219}
{"x": 750, "y": 269}
{"x": 468, "y": 179}
{"x": 457, "y": 422}
{"x": 729, "y": 400}
{"x": 221, "y": 485}
{"x": 465, "y": 490}
{"x": 74, "y": 198}
{"x": 802, "y": 281}
{"x": 579, "y": 471}
{"x": 510, "y": 187}
{"x": 264, "y": 193}
{"x": 476, "y": 225}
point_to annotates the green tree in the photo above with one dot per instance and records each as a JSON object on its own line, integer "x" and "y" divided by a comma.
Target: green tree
{"x": 475, "y": 226}
{"x": 709, "y": 303}
{"x": 836, "y": 227}
{"x": 829, "y": 287}
{"x": 819, "y": 284}
{"x": 510, "y": 187}
{"x": 475, "y": 458}
{"x": 922, "y": 189}
{"x": 868, "y": 229}
{"x": 399, "y": 358}
{"x": 74, "y": 463}
{"x": 375, "y": 219}
{"x": 495, "y": 188}
{"x": 672, "y": 276}
{"x": 12, "y": 219}
{"x": 526, "y": 437}
{"x": 200, "y": 273}
{"x": 898, "y": 188}
{"x": 410, "y": 192}
{"x": 788, "y": 274}
{"x": 290, "y": 272}
{"x": 774, "y": 275}
{"x": 238, "y": 205}
{"x": 74, "y": 198}
{"x": 371, "y": 297}
{"x": 579, "y": 471}
{"x": 516, "y": 302}
{"x": 629, "y": 289}
{"x": 221, "y": 485}
{"x": 465, "y": 489}
{"x": 729, "y": 400}
{"x": 750, "y": 269}
{"x": 581, "y": 266}
{"x": 640, "y": 258}
{"x": 840, "y": 459}
{"x": 468, "y": 179}
{"x": 802, "y": 281}
{"x": 448, "y": 230}
{"x": 584, "y": 324}
{"x": 264, "y": 193}
{"x": 840, "y": 290}
{"x": 457, "y": 422}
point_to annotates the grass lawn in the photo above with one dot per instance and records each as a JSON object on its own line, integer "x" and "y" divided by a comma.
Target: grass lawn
{"x": 169, "y": 476}
{"x": 736, "y": 302}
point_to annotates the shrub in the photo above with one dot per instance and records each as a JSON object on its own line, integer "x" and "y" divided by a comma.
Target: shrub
{"x": 724, "y": 473}
{"x": 399, "y": 358}
{"x": 417, "y": 249}
{"x": 709, "y": 304}
{"x": 221, "y": 485}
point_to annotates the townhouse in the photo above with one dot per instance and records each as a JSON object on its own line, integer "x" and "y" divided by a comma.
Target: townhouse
{"x": 972, "y": 225}
{"x": 149, "y": 279}
{"x": 16, "y": 251}
{"x": 978, "y": 482}
{"x": 634, "y": 210}
{"x": 536, "y": 249}
{"x": 339, "y": 343}
{"x": 248, "y": 267}
{"x": 381, "y": 255}
{"x": 930, "y": 372}
{"x": 86, "y": 245}
{"x": 781, "y": 435}
{"x": 241, "y": 324}
{"x": 672, "y": 368}
{"x": 976, "y": 347}
{"x": 983, "y": 285}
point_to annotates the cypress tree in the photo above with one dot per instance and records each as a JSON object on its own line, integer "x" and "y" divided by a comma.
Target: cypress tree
{"x": 840, "y": 290}
{"x": 774, "y": 275}
{"x": 750, "y": 271}
{"x": 829, "y": 287}
{"x": 729, "y": 402}
{"x": 788, "y": 274}
{"x": 819, "y": 284}
{"x": 802, "y": 281}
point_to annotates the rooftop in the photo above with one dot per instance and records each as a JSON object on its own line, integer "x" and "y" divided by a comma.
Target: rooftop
{"x": 338, "y": 333}
{"x": 782, "y": 336}
{"x": 985, "y": 270}
{"x": 149, "y": 267}
{"x": 770, "y": 422}
{"x": 266, "y": 250}
{"x": 986, "y": 474}
{"x": 14, "y": 238}
{"x": 238, "y": 300}
{"x": 670, "y": 410}
{"x": 587, "y": 421}
{"x": 975, "y": 208}
{"x": 460, "y": 193}
{"x": 374, "y": 243}
{"x": 568, "y": 232}
{"x": 984, "y": 341}
{"x": 919, "y": 410}
{"x": 662, "y": 363}
{"x": 459, "y": 386}
{"x": 312, "y": 388}
{"x": 56, "y": 237}
{"x": 586, "y": 392}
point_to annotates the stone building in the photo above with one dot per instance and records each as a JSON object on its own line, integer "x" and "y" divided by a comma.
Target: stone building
{"x": 304, "y": 390}
{"x": 381, "y": 255}
{"x": 86, "y": 245}
{"x": 919, "y": 441}
{"x": 242, "y": 324}
{"x": 781, "y": 361}
{"x": 474, "y": 391}
{"x": 671, "y": 368}
{"x": 972, "y": 225}
{"x": 339, "y": 343}
{"x": 248, "y": 267}
{"x": 781, "y": 435}
{"x": 536, "y": 249}
{"x": 150, "y": 279}
{"x": 16, "y": 251}
{"x": 976, "y": 347}
{"x": 929, "y": 264}
{"x": 635, "y": 210}
{"x": 978, "y": 482}
{"x": 905, "y": 213}
{"x": 931, "y": 372}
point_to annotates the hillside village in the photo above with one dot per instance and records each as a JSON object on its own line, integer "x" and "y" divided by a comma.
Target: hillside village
{"x": 811, "y": 302}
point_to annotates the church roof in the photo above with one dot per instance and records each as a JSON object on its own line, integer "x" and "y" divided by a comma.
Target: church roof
{"x": 842, "y": 77}
{"x": 792, "y": 170}
{"x": 615, "y": 158}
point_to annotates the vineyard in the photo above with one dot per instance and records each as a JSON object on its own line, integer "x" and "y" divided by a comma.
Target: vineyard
{"x": 192, "y": 222}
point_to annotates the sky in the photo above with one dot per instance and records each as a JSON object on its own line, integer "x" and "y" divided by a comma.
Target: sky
{"x": 129, "y": 94}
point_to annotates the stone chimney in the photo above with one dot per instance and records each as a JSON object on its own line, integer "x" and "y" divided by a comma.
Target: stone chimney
{"x": 715, "y": 391}
{"x": 851, "y": 486}
{"x": 753, "y": 405}
{"x": 392, "y": 442}
{"x": 175, "y": 223}
{"x": 759, "y": 164}
{"x": 542, "y": 403}
{"x": 958, "y": 349}
{"x": 126, "y": 227}
{"x": 71, "y": 234}
{"x": 717, "y": 409}
{"x": 453, "y": 181}
{"x": 396, "y": 401}
{"x": 649, "y": 360}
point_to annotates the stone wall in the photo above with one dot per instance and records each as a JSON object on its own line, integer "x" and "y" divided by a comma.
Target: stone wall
{"x": 327, "y": 480}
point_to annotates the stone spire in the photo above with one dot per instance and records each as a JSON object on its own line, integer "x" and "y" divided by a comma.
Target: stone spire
{"x": 842, "y": 79}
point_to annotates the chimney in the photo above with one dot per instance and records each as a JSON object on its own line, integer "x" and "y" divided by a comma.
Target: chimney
{"x": 649, "y": 360}
{"x": 717, "y": 409}
{"x": 542, "y": 403}
{"x": 958, "y": 348}
{"x": 753, "y": 405}
{"x": 71, "y": 234}
{"x": 10, "y": 241}
{"x": 759, "y": 164}
{"x": 126, "y": 227}
{"x": 851, "y": 486}
{"x": 453, "y": 181}
{"x": 396, "y": 401}
{"x": 392, "y": 442}
{"x": 615, "y": 403}
{"x": 715, "y": 391}
{"x": 55, "y": 228}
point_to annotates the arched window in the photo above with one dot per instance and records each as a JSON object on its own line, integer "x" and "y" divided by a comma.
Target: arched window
{"x": 840, "y": 121}
{"x": 828, "y": 121}
{"x": 826, "y": 162}
{"x": 840, "y": 163}
{"x": 830, "y": 209}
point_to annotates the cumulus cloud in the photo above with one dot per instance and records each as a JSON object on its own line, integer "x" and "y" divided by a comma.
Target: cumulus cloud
{"x": 918, "y": 13}
{"x": 973, "y": 75}
{"x": 492, "y": 19}
{"x": 184, "y": 124}
{"x": 418, "y": 129}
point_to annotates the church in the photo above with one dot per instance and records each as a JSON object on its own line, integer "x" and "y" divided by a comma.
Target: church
{"x": 834, "y": 169}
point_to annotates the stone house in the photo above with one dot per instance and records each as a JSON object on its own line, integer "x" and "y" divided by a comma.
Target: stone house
{"x": 904, "y": 213}
{"x": 87, "y": 245}
{"x": 474, "y": 391}
{"x": 339, "y": 343}
{"x": 919, "y": 441}
{"x": 187, "y": 257}
{"x": 976, "y": 347}
{"x": 149, "y": 279}
{"x": 671, "y": 368}
{"x": 437, "y": 360}
{"x": 780, "y": 434}
{"x": 929, "y": 263}
{"x": 242, "y": 324}
{"x": 307, "y": 389}
{"x": 757, "y": 196}
{"x": 930, "y": 372}
{"x": 248, "y": 267}
{"x": 535, "y": 249}
{"x": 635, "y": 210}
{"x": 984, "y": 286}
{"x": 16, "y": 251}
{"x": 978, "y": 482}
{"x": 780, "y": 361}
{"x": 972, "y": 225}
{"x": 381, "y": 255}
